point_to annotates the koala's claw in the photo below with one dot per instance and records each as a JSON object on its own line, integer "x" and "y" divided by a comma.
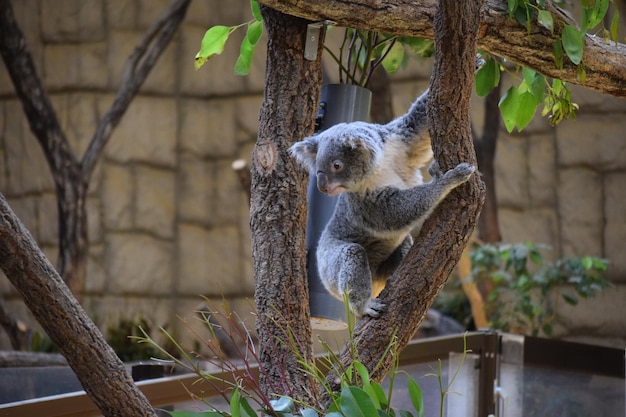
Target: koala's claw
{"x": 434, "y": 170}
{"x": 374, "y": 308}
{"x": 462, "y": 171}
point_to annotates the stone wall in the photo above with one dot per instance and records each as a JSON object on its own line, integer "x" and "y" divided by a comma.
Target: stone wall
{"x": 168, "y": 220}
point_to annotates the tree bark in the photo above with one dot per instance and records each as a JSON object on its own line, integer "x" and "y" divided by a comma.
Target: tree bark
{"x": 96, "y": 365}
{"x": 278, "y": 207}
{"x": 499, "y": 34}
{"x": 414, "y": 286}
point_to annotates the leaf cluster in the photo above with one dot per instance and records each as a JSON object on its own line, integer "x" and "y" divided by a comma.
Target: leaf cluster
{"x": 215, "y": 39}
{"x": 524, "y": 284}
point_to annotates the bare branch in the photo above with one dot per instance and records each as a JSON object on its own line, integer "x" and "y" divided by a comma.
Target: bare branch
{"x": 139, "y": 65}
{"x": 604, "y": 63}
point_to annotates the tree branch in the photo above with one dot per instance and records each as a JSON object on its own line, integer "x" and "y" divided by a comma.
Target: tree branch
{"x": 96, "y": 365}
{"x": 139, "y": 65}
{"x": 38, "y": 109}
{"x": 500, "y": 35}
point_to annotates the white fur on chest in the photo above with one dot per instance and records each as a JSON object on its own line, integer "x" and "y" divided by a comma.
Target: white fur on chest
{"x": 393, "y": 167}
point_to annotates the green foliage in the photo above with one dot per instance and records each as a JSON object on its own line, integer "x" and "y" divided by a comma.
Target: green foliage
{"x": 215, "y": 39}
{"x": 525, "y": 287}
{"x": 519, "y": 104}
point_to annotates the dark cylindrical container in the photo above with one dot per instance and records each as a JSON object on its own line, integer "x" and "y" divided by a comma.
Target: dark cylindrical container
{"x": 340, "y": 103}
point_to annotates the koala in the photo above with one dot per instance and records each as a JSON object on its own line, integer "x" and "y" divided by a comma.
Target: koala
{"x": 375, "y": 172}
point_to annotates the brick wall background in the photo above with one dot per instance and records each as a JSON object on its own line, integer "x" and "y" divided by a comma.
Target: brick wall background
{"x": 168, "y": 220}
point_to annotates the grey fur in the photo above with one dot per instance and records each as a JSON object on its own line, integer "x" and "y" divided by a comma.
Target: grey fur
{"x": 382, "y": 197}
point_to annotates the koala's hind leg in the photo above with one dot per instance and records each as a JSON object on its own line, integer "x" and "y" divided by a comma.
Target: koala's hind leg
{"x": 355, "y": 279}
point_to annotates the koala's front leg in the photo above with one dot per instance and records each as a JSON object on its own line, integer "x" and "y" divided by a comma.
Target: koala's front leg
{"x": 355, "y": 279}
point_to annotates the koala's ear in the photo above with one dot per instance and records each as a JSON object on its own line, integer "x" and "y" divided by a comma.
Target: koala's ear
{"x": 305, "y": 151}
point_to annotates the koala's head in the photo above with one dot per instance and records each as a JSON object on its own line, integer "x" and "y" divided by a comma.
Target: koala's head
{"x": 342, "y": 156}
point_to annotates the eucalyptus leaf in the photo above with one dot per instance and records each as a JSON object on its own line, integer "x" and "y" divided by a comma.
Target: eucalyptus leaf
{"x": 526, "y": 107}
{"x": 487, "y": 77}
{"x": 244, "y": 61}
{"x": 615, "y": 27}
{"x": 544, "y": 17}
{"x": 573, "y": 43}
{"x": 256, "y": 10}
{"x": 212, "y": 43}
{"x": 508, "y": 108}
{"x": 394, "y": 58}
{"x": 255, "y": 30}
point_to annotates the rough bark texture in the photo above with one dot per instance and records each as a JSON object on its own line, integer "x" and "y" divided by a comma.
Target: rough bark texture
{"x": 278, "y": 206}
{"x": 71, "y": 176}
{"x": 96, "y": 365}
{"x": 605, "y": 63}
{"x": 413, "y": 287}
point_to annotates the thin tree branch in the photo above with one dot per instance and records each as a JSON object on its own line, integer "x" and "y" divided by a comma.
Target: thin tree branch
{"x": 139, "y": 65}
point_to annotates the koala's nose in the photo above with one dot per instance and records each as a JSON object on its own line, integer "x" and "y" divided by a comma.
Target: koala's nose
{"x": 322, "y": 181}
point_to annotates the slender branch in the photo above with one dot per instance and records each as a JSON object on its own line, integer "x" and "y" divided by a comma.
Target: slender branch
{"x": 139, "y": 65}
{"x": 38, "y": 109}
{"x": 605, "y": 64}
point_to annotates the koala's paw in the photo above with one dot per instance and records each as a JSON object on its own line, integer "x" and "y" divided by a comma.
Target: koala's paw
{"x": 373, "y": 307}
{"x": 460, "y": 173}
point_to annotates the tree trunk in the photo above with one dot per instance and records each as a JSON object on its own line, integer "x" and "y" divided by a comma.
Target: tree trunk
{"x": 605, "y": 63}
{"x": 278, "y": 207}
{"x": 414, "y": 286}
{"x": 96, "y": 365}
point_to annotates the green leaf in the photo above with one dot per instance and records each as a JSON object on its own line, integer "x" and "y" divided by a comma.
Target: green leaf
{"x": 526, "y": 107}
{"x": 255, "y": 30}
{"x": 487, "y": 77}
{"x": 558, "y": 54}
{"x": 256, "y": 10}
{"x": 615, "y": 27}
{"x": 245, "y": 409}
{"x": 356, "y": 403}
{"x": 508, "y": 107}
{"x": 511, "y": 7}
{"x": 234, "y": 403}
{"x": 309, "y": 412}
{"x": 213, "y": 43}
{"x": 283, "y": 404}
{"x": 417, "y": 397}
{"x": 597, "y": 13}
{"x": 573, "y": 43}
{"x": 394, "y": 58}
{"x": 420, "y": 46}
{"x": 244, "y": 61}
{"x": 380, "y": 394}
{"x": 587, "y": 262}
{"x": 544, "y": 17}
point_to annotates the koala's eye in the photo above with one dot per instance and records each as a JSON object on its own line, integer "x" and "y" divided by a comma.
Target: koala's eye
{"x": 337, "y": 165}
